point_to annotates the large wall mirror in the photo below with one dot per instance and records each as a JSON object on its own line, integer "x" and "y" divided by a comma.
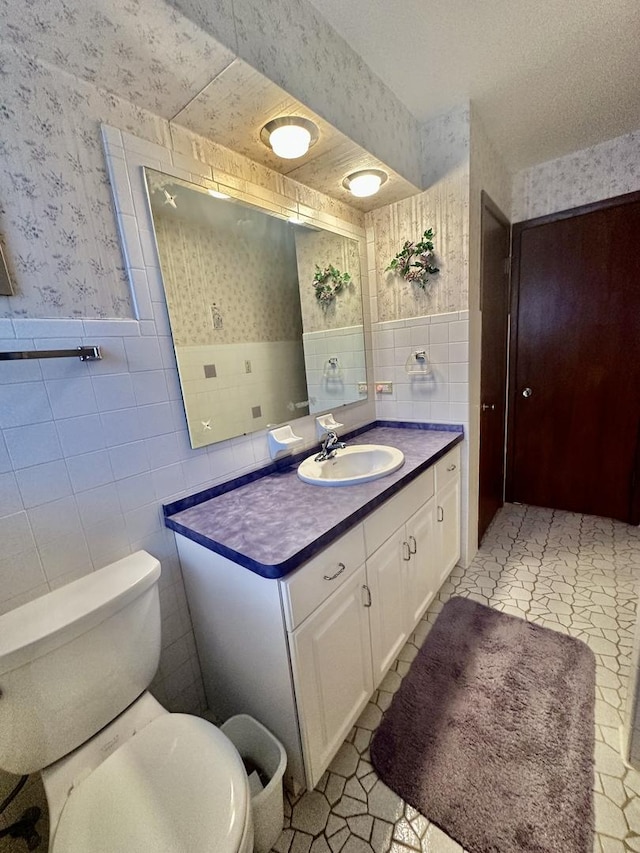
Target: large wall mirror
{"x": 259, "y": 338}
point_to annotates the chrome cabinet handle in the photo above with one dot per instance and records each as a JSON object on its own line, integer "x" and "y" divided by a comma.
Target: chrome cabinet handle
{"x": 527, "y": 392}
{"x": 440, "y": 514}
{"x": 339, "y": 572}
{"x": 407, "y": 552}
{"x": 488, "y": 407}
{"x": 412, "y": 539}
{"x": 451, "y": 467}
{"x": 368, "y": 591}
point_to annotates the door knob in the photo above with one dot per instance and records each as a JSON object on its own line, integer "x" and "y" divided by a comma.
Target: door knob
{"x": 487, "y": 406}
{"x": 527, "y": 392}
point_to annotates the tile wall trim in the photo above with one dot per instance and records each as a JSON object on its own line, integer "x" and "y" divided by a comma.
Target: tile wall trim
{"x": 127, "y": 155}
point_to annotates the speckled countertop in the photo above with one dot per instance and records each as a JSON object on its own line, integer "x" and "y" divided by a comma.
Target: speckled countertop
{"x": 274, "y": 523}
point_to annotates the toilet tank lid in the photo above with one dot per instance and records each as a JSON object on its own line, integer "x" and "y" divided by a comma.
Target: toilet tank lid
{"x": 35, "y": 628}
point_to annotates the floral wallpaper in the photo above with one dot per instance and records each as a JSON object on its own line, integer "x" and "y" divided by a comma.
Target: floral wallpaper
{"x": 293, "y": 45}
{"x": 142, "y": 50}
{"x": 445, "y": 208}
{"x": 488, "y": 170}
{"x": 445, "y": 144}
{"x": 56, "y": 212}
{"x": 609, "y": 169}
{"x": 159, "y": 55}
{"x": 67, "y": 67}
{"x": 224, "y": 288}
{"x": 489, "y": 173}
{"x": 322, "y": 248}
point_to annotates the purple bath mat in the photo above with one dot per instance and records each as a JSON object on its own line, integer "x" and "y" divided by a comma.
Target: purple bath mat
{"x": 491, "y": 734}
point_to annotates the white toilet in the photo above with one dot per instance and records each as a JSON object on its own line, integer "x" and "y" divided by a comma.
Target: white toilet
{"x": 121, "y": 774}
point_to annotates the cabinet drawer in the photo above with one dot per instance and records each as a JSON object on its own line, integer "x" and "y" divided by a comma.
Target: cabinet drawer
{"x": 307, "y": 587}
{"x": 393, "y": 513}
{"x": 448, "y": 468}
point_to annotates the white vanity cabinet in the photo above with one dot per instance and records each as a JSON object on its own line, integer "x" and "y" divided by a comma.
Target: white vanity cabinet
{"x": 402, "y": 571}
{"x": 447, "y": 481}
{"x": 387, "y": 618}
{"x": 331, "y": 666}
{"x": 422, "y": 564}
{"x": 303, "y": 654}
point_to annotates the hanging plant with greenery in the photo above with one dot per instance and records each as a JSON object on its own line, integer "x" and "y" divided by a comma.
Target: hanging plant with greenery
{"x": 414, "y": 261}
{"x": 328, "y": 282}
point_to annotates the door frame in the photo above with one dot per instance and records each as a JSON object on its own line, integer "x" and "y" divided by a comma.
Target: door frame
{"x": 517, "y": 230}
{"x": 487, "y": 203}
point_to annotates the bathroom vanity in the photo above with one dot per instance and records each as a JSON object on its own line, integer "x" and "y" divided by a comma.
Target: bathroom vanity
{"x": 302, "y": 596}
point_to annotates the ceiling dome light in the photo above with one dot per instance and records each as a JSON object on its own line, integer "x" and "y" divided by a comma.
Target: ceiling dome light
{"x": 290, "y": 142}
{"x": 365, "y": 183}
{"x": 289, "y": 136}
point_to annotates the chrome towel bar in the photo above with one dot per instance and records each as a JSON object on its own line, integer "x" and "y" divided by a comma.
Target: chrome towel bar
{"x": 83, "y": 353}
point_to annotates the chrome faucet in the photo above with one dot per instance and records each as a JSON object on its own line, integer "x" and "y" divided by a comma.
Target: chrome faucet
{"x": 330, "y": 444}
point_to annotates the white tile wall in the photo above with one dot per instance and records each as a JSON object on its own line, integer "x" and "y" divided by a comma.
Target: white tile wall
{"x": 329, "y": 386}
{"x": 90, "y": 450}
{"x": 275, "y": 385}
{"x": 440, "y": 397}
{"x": 71, "y": 469}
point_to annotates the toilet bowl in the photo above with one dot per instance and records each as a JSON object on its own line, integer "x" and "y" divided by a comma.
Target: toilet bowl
{"x": 120, "y": 772}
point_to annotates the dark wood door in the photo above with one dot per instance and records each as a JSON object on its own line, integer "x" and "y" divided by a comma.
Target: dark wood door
{"x": 494, "y": 304}
{"x": 575, "y": 403}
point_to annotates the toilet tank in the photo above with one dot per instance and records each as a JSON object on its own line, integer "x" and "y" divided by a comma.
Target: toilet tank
{"x": 73, "y": 659}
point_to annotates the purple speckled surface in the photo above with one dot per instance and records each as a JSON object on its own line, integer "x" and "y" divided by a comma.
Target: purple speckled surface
{"x": 274, "y": 524}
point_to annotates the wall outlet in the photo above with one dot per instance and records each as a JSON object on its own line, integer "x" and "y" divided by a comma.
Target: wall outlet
{"x": 247, "y": 366}
{"x": 362, "y": 388}
{"x": 384, "y": 387}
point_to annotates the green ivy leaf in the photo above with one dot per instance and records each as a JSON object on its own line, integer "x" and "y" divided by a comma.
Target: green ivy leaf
{"x": 412, "y": 261}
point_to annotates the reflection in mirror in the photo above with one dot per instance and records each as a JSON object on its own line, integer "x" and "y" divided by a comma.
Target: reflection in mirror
{"x": 239, "y": 284}
{"x": 332, "y": 329}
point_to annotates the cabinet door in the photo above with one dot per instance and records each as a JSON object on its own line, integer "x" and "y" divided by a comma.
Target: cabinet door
{"x": 423, "y": 569}
{"x": 331, "y": 659}
{"x": 387, "y": 577}
{"x": 448, "y": 527}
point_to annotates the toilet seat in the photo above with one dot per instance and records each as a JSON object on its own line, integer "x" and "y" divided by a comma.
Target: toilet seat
{"x": 177, "y": 786}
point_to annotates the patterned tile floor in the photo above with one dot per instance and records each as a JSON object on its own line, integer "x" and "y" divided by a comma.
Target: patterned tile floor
{"x": 569, "y": 572}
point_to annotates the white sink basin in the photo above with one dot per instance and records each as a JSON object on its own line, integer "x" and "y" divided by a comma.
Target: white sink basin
{"x": 351, "y": 465}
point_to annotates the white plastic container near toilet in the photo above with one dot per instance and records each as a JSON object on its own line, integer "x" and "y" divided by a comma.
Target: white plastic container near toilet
{"x": 257, "y": 746}
{"x": 120, "y": 772}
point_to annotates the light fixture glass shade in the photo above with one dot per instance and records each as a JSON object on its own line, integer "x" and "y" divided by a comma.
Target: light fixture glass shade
{"x": 290, "y": 141}
{"x": 289, "y": 136}
{"x": 365, "y": 183}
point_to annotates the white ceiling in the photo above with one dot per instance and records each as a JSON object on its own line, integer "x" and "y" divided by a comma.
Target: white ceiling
{"x": 547, "y": 78}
